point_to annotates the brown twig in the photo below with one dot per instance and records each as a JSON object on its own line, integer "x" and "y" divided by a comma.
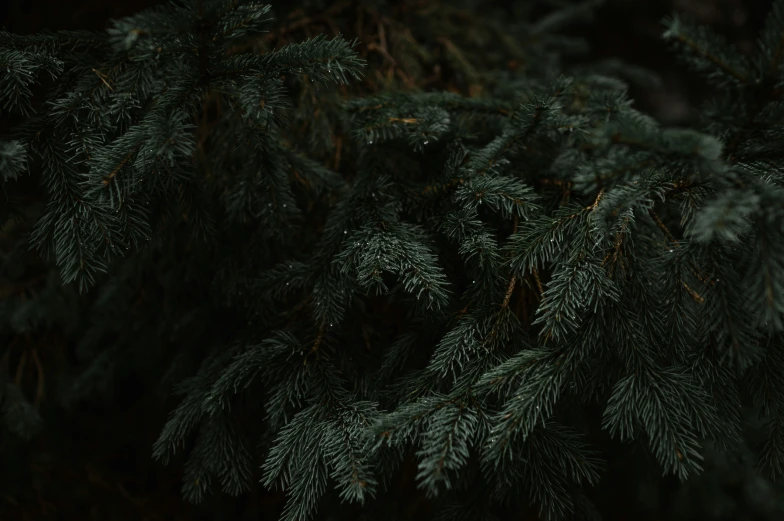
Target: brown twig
{"x": 538, "y": 282}
{"x": 674, "y": 243}
{"x": 662, "y": 227}
{"x": 509, "y": 291}
{"x": 316, "y": 344}
{"x": 596, "y": 202}
{"x": 103, "y": 78}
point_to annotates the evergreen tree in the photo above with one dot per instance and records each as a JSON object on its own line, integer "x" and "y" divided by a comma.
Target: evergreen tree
{"x": 475, "y": 277}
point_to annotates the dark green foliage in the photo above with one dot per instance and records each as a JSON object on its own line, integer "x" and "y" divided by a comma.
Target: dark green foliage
{"x": 337, "y": 286}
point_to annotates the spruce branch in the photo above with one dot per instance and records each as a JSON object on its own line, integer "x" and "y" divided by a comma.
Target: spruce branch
{"x": 708, "y": 51}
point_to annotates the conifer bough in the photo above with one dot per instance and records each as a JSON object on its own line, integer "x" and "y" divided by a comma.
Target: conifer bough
{"x": 477, "y": 271}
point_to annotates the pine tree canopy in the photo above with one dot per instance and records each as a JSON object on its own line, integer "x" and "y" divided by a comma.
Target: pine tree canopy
{"x": 455, "y": 254}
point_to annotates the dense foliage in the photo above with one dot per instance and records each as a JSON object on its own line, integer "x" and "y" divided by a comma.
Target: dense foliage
{"x": 472, "y": 259}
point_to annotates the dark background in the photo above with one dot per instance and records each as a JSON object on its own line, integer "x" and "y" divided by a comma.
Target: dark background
{"x": 625, "y": 29}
